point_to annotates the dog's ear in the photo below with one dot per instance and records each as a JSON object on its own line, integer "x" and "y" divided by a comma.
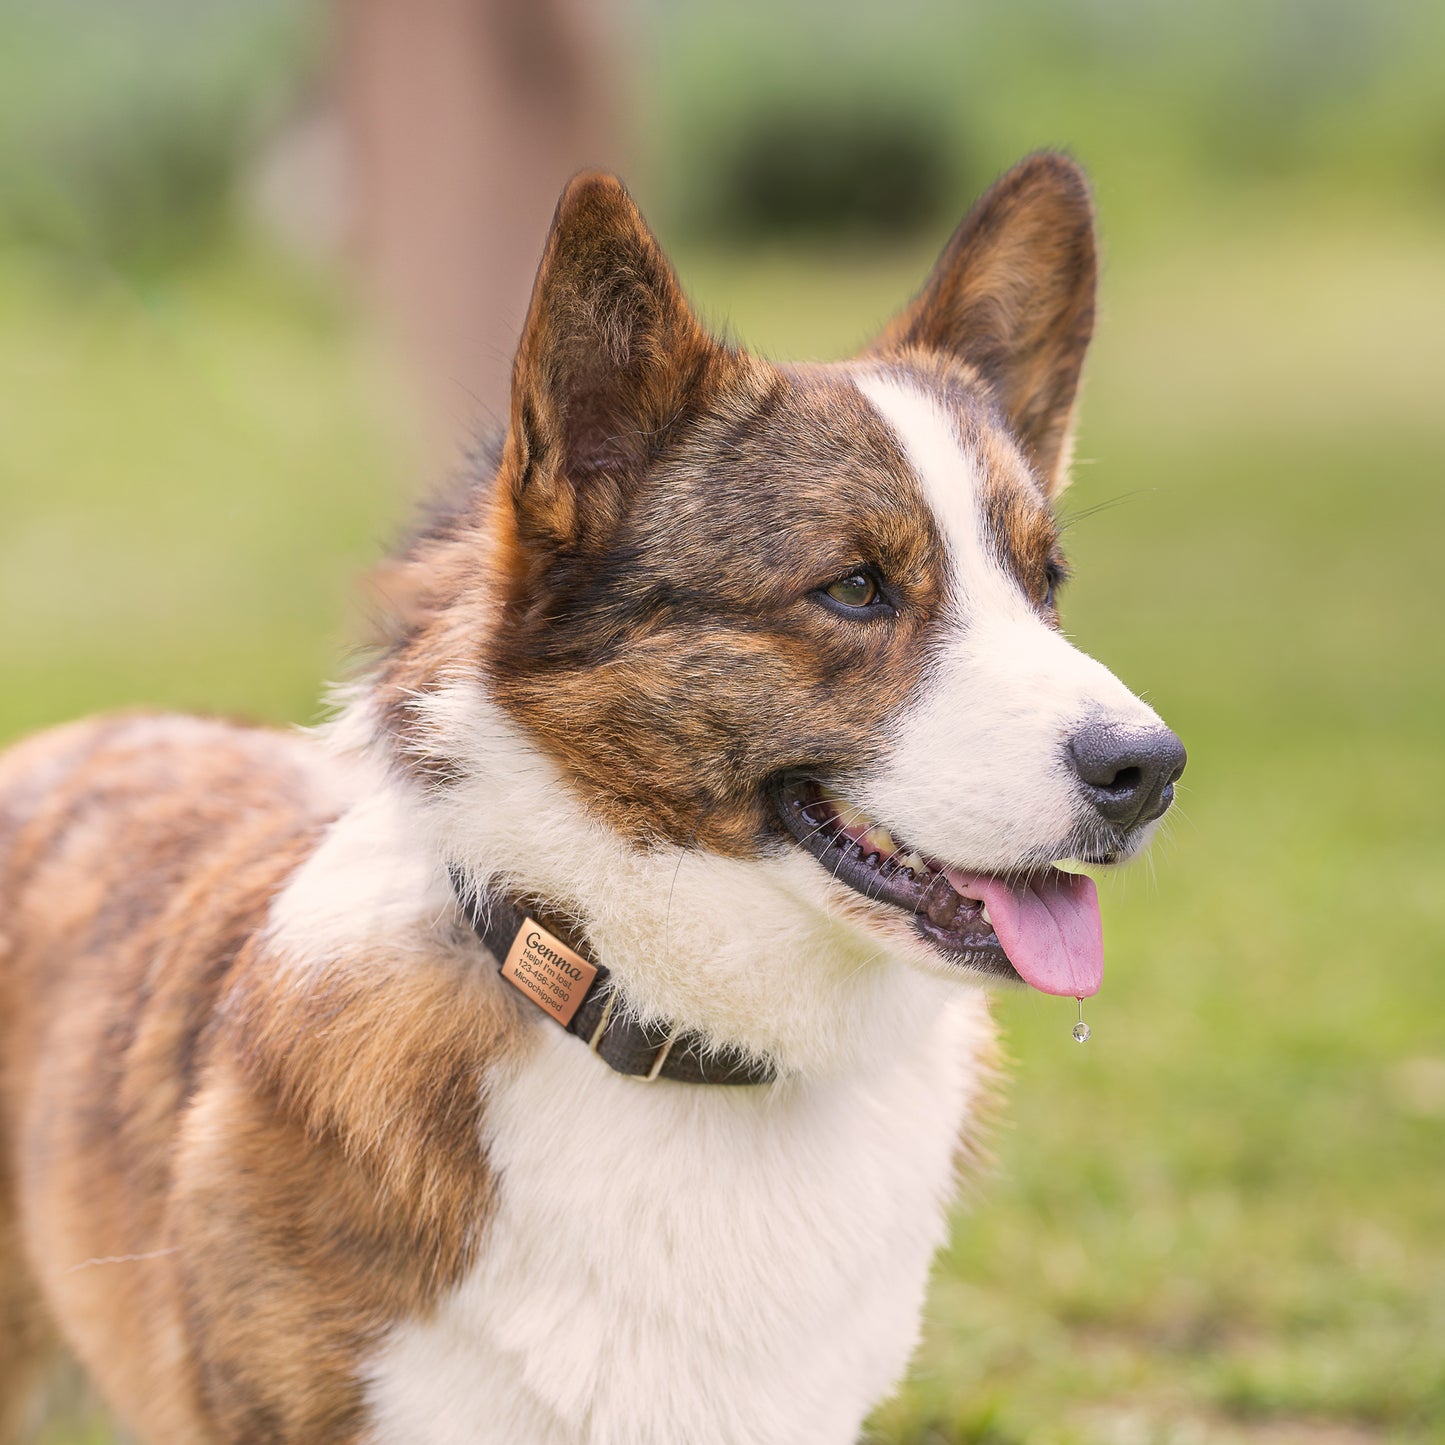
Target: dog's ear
{"x": 609, "y": 358}
{"x": 1013, "y": 295}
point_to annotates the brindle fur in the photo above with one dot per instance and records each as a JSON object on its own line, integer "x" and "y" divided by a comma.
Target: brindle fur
{"x": 300, "y": 1167}
{"x": 219, "y": 1185}
{"x": 657, "y": 612}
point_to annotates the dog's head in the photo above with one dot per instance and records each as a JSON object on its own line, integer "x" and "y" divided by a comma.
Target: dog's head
{"x": 751, "y": 609}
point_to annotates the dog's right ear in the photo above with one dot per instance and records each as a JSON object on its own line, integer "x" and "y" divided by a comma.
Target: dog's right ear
{"x": 610, "y": 356}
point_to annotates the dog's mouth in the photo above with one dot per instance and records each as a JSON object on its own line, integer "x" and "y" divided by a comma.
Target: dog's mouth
{"x": 1042, "y": 926}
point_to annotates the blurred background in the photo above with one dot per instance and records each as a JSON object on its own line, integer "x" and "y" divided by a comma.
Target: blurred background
{"x": 261, "y": 266}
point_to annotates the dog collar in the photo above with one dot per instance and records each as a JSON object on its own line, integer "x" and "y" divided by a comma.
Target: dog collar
{"x": 558, "y": 974}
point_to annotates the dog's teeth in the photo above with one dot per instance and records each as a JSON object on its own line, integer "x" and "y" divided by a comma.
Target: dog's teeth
{"x": 984, "y": 915}
{"x": 845, "y": 812}
{"x": 913, "y": 862}
{"x": 879, "y": 840}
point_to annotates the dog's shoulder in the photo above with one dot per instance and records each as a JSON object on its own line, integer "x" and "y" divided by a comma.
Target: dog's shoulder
{"x": 275, "y": 1112}
{"x": 112, "y": 829}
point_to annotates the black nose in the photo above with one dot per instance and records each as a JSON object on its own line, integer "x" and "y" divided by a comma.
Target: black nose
{"x": 1128, "y": 772}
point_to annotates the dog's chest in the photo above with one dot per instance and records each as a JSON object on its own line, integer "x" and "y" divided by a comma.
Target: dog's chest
{"x": 668, "y": 1262}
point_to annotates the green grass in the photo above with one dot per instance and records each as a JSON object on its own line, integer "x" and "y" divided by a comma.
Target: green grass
{"x": 1220, "y": 1220}
{"x": 190, "y": 477}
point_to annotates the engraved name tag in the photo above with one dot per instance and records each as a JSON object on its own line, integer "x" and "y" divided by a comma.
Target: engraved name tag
{"x": 547, "y": 971}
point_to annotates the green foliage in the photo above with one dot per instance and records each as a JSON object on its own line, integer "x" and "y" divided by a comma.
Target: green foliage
{"x": 1325, "y": 96}
{"x": 831, "y": 173}
{"x": 123, "y": 128}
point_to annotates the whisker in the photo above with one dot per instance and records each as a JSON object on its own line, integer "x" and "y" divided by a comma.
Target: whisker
{"x": 672, "y": 888}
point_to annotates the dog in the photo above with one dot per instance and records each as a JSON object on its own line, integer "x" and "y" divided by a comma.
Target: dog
{"x": 578, "y": 1038}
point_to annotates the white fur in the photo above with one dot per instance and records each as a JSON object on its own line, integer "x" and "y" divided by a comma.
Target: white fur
{"x": 669, "y": 1263}
{"x": 977, "y": 773}
{"x": 373, "y": 880}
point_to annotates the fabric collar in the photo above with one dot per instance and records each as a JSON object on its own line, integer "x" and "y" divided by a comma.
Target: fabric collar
{"x": 537, "y": 954}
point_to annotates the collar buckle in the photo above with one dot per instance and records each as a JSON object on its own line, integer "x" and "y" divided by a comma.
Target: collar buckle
{"x": 660, "y": 1057}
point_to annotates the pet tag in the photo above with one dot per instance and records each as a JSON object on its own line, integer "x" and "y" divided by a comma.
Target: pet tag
{"x": 1081, "y": 1029}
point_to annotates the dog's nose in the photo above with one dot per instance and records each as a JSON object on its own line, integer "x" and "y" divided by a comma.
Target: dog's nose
{"x": 1128, "y": 772}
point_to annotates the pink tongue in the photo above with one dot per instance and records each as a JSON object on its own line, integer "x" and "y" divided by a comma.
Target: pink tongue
{"x": 1050, "y": 927}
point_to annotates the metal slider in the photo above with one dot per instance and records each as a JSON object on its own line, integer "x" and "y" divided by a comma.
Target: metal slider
{"x": 660, "y": 1058}
{"x": 595, "y": 1042}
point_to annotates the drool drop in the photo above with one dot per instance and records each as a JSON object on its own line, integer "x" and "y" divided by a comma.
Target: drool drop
{"x": 1081, "y": 1029}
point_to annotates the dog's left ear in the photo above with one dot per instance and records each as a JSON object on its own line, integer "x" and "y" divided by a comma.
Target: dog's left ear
{"x": 1013, "y": 295}
{"x": 610, "y": 357}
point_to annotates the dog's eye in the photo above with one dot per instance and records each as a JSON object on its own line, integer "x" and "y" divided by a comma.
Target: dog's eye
{"x": 857, "y": 590}
{"x": 1054, "y": 577}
